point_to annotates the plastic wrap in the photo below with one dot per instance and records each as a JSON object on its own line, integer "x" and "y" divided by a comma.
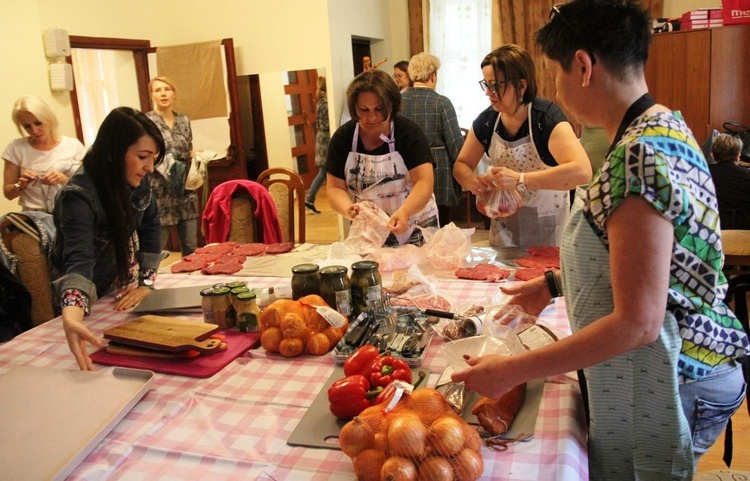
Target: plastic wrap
{"x": 499, "y": 203}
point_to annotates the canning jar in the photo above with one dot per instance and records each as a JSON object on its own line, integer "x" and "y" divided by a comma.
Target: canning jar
{"x": 207, "y": 305}
{"x": 366, "y": 286}
{"x": 248, "y": 313}
{"x": 335, "y": 288}
{"x": 223, "y": 310}
{"x": 305, "y": 280}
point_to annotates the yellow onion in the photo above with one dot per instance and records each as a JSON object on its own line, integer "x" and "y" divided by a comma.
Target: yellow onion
{"x": 397, "y": 468}
{"x": 368, "y": 464}
{"x": 435, "y": 468}
{"x": 355, "y": 437}
{"x": 467, "y": 465}
{"x": 406, "y": 435}
{"x": 374, "y": 417}
{"x": 429, "y": 405}
{"x": 472, "y": 439}
{"x": 380, "y": 442}
{"x": 446, "y": 436}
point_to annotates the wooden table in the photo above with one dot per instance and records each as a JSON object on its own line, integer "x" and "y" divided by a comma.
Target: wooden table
{"x": 736, "y": 245}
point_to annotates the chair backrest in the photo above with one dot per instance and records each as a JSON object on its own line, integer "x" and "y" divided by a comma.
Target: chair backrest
{"x": 288, "y": 193}
{"x": 243, "y": 225}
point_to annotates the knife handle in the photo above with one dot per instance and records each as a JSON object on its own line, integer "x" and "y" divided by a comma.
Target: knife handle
{"x": 437, "y": 313}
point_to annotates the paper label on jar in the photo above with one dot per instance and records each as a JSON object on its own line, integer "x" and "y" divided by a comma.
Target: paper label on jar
{"x": 344, "y": 302}
{"x": 333, "y": 317}
{"x": 374, "y": 294}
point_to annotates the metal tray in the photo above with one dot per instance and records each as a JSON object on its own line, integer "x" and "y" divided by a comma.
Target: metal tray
{"x": 396, "y": 320}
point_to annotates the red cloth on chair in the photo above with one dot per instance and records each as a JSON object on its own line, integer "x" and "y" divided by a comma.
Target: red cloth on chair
{"x": 218, "y": 211}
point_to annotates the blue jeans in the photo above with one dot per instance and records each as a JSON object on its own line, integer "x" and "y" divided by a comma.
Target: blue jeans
{"x": 187, "y": 231}
{"x": 709, "y": 403}
{"x": 315, "y": 186}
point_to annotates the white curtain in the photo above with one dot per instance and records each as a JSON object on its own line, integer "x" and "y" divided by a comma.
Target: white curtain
{"x": 96, "y": 86}
{"x": 460, "y": 35}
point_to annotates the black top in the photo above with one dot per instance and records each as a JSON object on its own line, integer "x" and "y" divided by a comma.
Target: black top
{"x": 733, "y": 193}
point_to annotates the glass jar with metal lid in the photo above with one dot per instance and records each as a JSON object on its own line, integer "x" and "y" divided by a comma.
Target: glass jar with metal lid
{"x": 305, "y": 280}
{"x": 335, "y": 288}
{"x": 366, "y": 286}
{"x": 207, "y": 305}
{"x": 223, "y": 310}
{"x": 248, "y": 313}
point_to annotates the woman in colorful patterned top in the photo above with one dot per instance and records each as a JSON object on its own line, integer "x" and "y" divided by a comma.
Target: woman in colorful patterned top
{"x": 177, "y": 206}
{"x": 108, "y": 225}
{"x": 641, "y": 265}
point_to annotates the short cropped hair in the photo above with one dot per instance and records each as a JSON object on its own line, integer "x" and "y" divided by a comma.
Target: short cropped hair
{"x": 379, "y": 83}
{"x": 726, "y": 148}
{"x": 39, "y": 109}
{"x": 515, "y": 64}
{"x": 422, "y": 66}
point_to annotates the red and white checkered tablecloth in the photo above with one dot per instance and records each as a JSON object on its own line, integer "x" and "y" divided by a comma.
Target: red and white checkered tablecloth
{"x": 234, "y": 425}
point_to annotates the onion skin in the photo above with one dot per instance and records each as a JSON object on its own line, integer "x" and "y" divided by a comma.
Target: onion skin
{"x": 435, "y": 468}
{"x": 472, "y": 439}
{"x": 446, "y": 436}
{"x": 429, "y": 405}
{"x": 406, "y": 435}
{"x": 355, "y": 437}
{"x": 467, "y": 465}
{"x": 397, "y": 468}
{"x": 368, "y": 464}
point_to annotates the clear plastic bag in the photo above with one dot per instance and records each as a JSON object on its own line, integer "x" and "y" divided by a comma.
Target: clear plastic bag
{"x": 499, "y": 203}
{"x": 369, "y": 229}
{"x": 448, "y": 247}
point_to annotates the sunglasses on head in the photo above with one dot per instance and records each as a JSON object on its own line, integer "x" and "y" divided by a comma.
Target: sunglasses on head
{"x": 556, "y": 13}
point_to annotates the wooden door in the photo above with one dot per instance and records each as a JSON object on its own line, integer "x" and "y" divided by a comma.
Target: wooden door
{"x": 300, "y": 91}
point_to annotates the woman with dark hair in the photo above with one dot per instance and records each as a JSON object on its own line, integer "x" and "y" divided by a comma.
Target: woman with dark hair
{"x": 108, "y": 225}
{"x": 531, "y": 147}
{"x": 642, "y": 265}
{"x": 382, "y": 157}
{"x": 401, "y": 75}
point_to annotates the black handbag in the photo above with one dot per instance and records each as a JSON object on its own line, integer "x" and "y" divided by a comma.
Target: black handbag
{"x": 742, "y": 132}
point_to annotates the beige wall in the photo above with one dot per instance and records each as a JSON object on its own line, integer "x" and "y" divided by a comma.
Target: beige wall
{"x": 675, "y": 8}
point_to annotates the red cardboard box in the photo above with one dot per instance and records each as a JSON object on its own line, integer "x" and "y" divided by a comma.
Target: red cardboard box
{"x": 736, "y": 12}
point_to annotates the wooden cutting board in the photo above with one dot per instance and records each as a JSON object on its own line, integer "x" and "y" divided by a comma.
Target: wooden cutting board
{"x": 166, "y": 334}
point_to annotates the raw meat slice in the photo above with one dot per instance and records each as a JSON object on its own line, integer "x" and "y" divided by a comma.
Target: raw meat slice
{"x": 222, "y": 268}
{"x": 222, "y": 248}
{"x": 544, "y": 251}
{"x": 483, "y": 272}
{"x": 279, "y": 248}
{"x": 202, "y": 256}
{"x": 253, "y": 249}
{"x": 233, "y": 257}
{"x": 188, "y": 266}
{"x": 529, "y": 273}
{"x": 423, "y": 301}
{"x": 538, "y": 261}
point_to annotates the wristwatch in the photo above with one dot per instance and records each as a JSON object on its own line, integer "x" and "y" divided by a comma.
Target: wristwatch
{"x": 521, "y": 185}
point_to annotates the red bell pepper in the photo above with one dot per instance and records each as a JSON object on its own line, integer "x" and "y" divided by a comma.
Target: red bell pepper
{"x": 387, "y": 369}
{"x": 390, "y": 390}
{"x": 350, "y": 396}
{"x": 359, "y": 361}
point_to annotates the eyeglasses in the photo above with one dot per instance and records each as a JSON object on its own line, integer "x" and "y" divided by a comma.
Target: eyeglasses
{"x": 493, "y": 87}
{"x": 556, "y": 13}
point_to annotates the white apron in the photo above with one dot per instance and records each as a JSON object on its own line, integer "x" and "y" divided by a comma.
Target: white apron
{"x": 638, "y": 430}
{"x": 541, "y": 219}
{"x": 384, "y": 180}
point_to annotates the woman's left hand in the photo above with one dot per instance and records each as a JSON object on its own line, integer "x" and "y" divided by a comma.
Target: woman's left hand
{"x": 490, "y": 376}
{"x": 503, "y": 178}
{"x": 54, "y": 178}
{"x": 131, "y": 297}
{"x": 398, "y": 223}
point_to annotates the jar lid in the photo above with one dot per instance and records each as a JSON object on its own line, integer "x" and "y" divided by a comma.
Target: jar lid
{"x": 333, "y": 271}
{"x": 365, "y": 265}
{"x": 207, "y": 292}
{"x": 305, "y": 268}
{"x": 220, "y": 284}
{"x": 240, "y": 290}
{"x": 235, "y": 284}
{"x": 248, "y": 295}
{"x": 221, "y": 291}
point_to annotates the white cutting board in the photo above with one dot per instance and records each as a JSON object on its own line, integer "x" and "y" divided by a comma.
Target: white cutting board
{"x": 51, "y": 419}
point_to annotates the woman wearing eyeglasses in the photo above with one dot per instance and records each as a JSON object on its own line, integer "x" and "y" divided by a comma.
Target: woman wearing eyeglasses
{"x": 532, "y": 148}
{"x": 641, "y": 266}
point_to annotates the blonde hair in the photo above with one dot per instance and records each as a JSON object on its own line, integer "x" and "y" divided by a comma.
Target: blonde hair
{"x": 39, "y": 109}
{"x": 422, "y": 66}
{"x": 726, "y": 148}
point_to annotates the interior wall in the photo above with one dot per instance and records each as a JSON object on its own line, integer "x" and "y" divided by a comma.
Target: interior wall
{"x": 675, "y": 8}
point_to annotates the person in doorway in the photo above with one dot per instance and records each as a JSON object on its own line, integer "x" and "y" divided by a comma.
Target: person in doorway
{"x": 108, "y": 225}
{"x": 38, "y": 164}
{"x": 401, "y": 75}
{"x": 531, "y": 147}
{"x": 642, "y": 265}
{"x": 322, "y": 137}
{"x": 435, "y": 114}
{"x": 177, "y": 206}
{"x": 732, "y": 182}
{"x": 382, "y": 157}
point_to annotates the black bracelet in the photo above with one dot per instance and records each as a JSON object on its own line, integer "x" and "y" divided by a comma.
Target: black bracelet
{"x": 551, "y": 284}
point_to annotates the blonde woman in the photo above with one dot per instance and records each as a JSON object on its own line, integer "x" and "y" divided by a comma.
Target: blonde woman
{"x": 177, "y": 206}
{"x": 38, "y": 164}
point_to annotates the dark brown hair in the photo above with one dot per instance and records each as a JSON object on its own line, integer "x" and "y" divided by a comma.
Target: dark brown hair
{"x": 379, "y": 83}
{"x": 515, "y": 64}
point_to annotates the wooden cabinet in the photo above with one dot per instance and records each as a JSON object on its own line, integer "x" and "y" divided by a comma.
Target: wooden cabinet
{"x": 704, "y": 74}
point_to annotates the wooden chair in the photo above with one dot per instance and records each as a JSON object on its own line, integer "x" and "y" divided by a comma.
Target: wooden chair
{"x": 287, "y": 189}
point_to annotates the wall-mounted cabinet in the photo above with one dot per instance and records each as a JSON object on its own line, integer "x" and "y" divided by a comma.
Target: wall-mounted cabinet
{"x": 705, "y": 74}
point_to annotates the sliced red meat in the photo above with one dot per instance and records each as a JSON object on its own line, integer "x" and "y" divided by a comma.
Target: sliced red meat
{"x": 483, "y": 272}
{"x": 222, "y": 248}
{"x": 544, "y": 251}
{"x": 538, "y": 261}
{"x": 279, "y": 248}
{"x": 202, "y": 256}
{"x": 222, "y": 268}
{"x": 188, "y": 266}
{"x": 529, "y": 273}
{"x": 233, "y": 257}
{"x": 253, "y": 249}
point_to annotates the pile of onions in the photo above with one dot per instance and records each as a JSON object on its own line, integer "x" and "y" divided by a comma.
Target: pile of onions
{"x": 421, "y": 438}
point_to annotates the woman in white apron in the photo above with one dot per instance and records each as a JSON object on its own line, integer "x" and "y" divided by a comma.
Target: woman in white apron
{"x": 532, "y": 148}
{"x": 382, "y": 157}
{"x": 641, "y": 266}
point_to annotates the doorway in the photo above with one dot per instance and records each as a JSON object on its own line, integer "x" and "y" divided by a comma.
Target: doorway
{"x": 360, "y": 49}
{"x": 299, "y": 88}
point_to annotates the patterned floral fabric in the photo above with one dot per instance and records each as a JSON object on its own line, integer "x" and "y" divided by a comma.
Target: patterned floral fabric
{"x": 179, "y": 141}
{"x": 659, "y": 160}
{"x": 323, "y": 134}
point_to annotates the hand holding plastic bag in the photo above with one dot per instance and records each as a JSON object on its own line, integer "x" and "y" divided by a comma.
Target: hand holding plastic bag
{"x": 499, "y": 203}
{"x": 369, "y": 229}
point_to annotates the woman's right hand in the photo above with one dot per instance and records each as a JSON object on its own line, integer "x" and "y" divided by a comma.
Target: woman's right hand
{"x": 352, "y": 211}
{"x": 481, "y": 184}
{"x": 77, "y": 335}
{"x": 531, "y": 296}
